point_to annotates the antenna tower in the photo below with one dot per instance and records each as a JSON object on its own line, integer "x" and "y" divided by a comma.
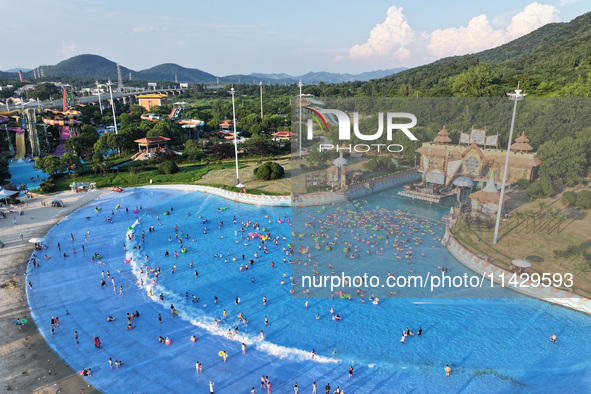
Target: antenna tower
{"x": 119, "y": 78}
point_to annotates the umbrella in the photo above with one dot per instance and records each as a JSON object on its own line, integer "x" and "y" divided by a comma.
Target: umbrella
{"x": 240, "y": 185}
{"x": 521, "y": 263}
{"x": 463, "y": 181}
{"x": 36, "y": 240}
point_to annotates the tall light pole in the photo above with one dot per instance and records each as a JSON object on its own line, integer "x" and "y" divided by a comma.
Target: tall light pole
{"x": 113, "y": 106}
{"x": 114, "y": 116}
{"x": 300, "y": 84}
{"x": 517, "y": 96}
{"x": 99, "y": 95}
{"x": 235, "y": 136}
{"x": 261, "y": 85}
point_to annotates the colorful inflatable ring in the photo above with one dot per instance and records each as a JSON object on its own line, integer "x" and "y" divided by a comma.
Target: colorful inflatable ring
{"x": 221, "y": 353}
{"x": 23, "y": 321}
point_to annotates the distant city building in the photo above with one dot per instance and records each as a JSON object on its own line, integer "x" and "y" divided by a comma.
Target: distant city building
{"x": 149, "y": 100}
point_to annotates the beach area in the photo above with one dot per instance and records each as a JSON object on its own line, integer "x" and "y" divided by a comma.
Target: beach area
{"x": 27, "y": 363}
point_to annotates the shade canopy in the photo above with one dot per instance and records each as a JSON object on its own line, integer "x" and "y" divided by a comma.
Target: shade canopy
{"x": 37, "y": 240}
{"x": 240, "y": 185}
{"x": 7, "y": 193}
{"x": 463, "y": 181}
{"x": 521, "y": 263}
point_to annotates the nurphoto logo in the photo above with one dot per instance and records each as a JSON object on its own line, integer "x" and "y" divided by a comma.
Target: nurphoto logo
{"x": 344, "y": 124}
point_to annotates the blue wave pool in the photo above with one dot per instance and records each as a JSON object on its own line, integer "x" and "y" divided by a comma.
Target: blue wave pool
{"x": 495, "y": 344}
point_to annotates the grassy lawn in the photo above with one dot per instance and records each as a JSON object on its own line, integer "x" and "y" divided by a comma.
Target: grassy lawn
{"x": 535, "y": 243}
{"x": 186, "y": 175}
{"x": 227, "y": 177}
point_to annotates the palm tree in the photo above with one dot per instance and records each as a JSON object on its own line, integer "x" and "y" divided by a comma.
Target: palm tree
{"x": 561, "y": 217}
{"x": 535, "y": 215}
{"x": 551, "y": 216}
{"x": 519, "y": 215}
{"x": 528, "y": 214}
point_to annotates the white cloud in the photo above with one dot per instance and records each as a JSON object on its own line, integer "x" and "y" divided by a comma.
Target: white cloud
{"x": 394, "y": 40}
{"x": 69, "y": 49}
{"x": 387, "y": 39}
{"x": 477, "y": 36}
{"x": 533, "y": 16}
{"x": 141, "y": 29}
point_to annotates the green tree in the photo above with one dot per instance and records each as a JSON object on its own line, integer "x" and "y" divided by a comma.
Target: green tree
{"x": 43, "y": 91}
{"x": 269, "y": 171}
{"x": 168, "y": 167}
{"x": 50, "y": 165}
{"x": 547, "y": 187}
{"x": 83, "y": 144}
{"x": 583, "y": 199}
{"x": 4, "y": 173}
{"x": 477, "y": 81}
{"x": 71, "y": 161}
{"x": 318, "y": 159}
{"x": 166, "y": 128}
{"x": 565, "y": 158}
{"x": 371, "y": 165}
{"x": 569, "y": 198}
{"x": 223, "y": 150}
{"x": 535, "y": 190}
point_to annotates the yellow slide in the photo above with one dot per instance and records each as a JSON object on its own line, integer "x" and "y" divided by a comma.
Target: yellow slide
{"x": 20, "y": 146}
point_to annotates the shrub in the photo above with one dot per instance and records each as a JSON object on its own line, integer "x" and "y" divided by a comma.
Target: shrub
{"x": 523, "y": 183}
{"x": 269, "y": 171}
{"x": 569, "y": 198}
{"x": 547, "y": 187}
{"x": 97, "y": 156}
{"x": 583, "y": 199}
{"x": 535, "y": 190}
{"x": 168, "y": 167}
{"x": 371, "y": 165}
{"x": 47, "y": 186}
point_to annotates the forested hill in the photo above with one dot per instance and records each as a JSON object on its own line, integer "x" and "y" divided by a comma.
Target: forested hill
{"x": 554, "y": 60}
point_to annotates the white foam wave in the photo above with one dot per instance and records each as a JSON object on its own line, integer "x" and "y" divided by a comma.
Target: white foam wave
{"x": 207, "y": 323}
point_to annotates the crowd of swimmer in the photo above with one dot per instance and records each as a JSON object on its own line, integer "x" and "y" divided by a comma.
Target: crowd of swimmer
{"x": 359, "y": 234}
{"x": 248, "y": 231}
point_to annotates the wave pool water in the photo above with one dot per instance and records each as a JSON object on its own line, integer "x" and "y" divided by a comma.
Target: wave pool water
{"x": 492, "y": 345}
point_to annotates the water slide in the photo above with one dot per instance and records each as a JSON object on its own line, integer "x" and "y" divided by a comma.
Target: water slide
{"x": 20, "y": 143}
{"x": 20, "y": 138}
{"x": 174, "y": 115}
{"x": 65, "y": 120}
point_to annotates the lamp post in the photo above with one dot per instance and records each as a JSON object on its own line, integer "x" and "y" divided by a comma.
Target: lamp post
{"x": 300, "y": 84}
{"x": 99, "y": 96}
{"x": 235, "y": 135}
{"x": 517, "y": 96}
{"x": 261, "y": 85}
{"x": 114, "y": 117}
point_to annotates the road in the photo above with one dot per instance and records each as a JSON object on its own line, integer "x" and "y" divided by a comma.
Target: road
{"x": 57, "y": 104}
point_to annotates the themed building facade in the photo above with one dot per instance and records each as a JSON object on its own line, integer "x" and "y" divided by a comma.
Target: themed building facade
{"x": 477, "y": 157}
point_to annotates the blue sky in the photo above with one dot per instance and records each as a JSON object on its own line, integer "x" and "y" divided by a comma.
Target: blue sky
{"x": 239, "y": 37}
